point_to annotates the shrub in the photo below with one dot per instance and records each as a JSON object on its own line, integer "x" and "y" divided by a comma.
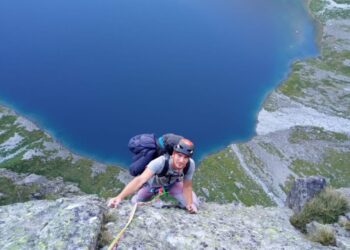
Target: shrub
{"x": 324, "y": 208}
{"x": 324, "y": 235}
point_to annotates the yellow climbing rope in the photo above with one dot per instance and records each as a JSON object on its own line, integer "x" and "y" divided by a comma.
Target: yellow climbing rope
{"x": 114, "y": 243}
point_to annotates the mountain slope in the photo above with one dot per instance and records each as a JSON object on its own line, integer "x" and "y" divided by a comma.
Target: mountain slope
{"x": 303, "y": 127}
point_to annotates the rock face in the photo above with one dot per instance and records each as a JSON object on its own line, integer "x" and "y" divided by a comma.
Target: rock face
{"x": 67, "y": 223}
{"x": 83, "y": 222}
{"x": 214, "y": 227}
{"x": 303, "y": 190}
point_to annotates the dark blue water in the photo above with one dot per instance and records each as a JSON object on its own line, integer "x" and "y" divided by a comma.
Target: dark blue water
{"x": 95, "y": 73}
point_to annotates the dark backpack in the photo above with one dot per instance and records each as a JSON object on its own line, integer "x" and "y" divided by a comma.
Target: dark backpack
{"x": 146, "y": 147}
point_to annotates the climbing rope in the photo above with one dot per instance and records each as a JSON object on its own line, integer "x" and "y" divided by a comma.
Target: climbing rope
{"x": 114, "y": 244}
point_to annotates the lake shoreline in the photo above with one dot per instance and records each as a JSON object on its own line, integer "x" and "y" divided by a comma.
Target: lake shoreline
{"x": 92, "y": 157}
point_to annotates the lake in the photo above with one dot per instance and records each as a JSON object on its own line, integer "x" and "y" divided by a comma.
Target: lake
{"x": 95, "y": 73}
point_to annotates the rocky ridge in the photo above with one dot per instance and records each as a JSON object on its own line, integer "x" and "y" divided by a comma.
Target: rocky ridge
{"x": 67, "y": 223}
{"x": 74, "y": 223}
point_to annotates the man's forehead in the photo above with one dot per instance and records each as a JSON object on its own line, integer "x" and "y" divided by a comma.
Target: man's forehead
{"x": 181, "y": 154}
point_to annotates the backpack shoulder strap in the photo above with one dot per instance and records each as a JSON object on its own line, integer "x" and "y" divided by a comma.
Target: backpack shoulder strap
{"x": 165, "y": 168}
{"x": 188, "y": 165}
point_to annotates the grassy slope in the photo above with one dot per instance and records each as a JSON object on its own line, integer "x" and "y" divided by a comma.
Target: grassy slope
{"x": 225, "y": 180}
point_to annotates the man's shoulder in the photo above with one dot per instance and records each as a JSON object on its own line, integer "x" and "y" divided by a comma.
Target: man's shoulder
{"x": 192, "y": 162}
{"x": 157, "y": 163}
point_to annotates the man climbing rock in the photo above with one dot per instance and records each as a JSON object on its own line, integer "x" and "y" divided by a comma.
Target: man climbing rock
{"x": 170, "y": 172}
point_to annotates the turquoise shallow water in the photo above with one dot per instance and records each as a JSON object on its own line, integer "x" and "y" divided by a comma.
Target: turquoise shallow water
{"x": 95, "y": 73}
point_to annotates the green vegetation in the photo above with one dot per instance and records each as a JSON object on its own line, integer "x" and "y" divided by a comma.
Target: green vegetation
{"x": 342, "y": 1}
{"x": 103, "y": 184}
{"x": 250, "y": 157}
{"x": 288, "y": 184}
{"x": 30, "y": 139}
{"x": 105, "y": 237}
{"x": 225, "y": 181}
{"x": 301, "y": 134}
{"x": 324, "y": 235}
{"x": 335, "y": 13}
{"x": 324, "y": 208}
{"x": 12, "y": 193}
{"x": 334, "y": 166}
{"x": 6, "y": 125}
{"x": 317, "y": 5}
{"x": 294, "y": 85}
{"x": 330, "y": 60}
{"x": 320, "y": 10}
{"x": 271, "y": 149}
{"x": 333, "y": 60}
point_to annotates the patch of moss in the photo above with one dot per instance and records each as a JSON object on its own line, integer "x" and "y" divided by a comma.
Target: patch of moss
{"x": 294, "y": 85}
{"x": 328, "y": 83}
{"x": 288, "y": 184}
{"x": 300, "y": 134}
{"x": 333, "y": 60}
{"x": 31, "y": 139}
{"x": 342, "y": 1}
{"x": 317, "y": 5}
{"x": 271, "y": 149}
{"x": 250, "y": 157}
{"x": 336, "y": 13}
{"x": 334, "y": 166}
{"x": 226, "y": 181}
{"x": 6, "y": 121}
{"x": 8, "y": 127}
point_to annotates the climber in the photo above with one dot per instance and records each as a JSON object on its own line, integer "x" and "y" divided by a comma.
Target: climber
{"x": 172, "y": 173}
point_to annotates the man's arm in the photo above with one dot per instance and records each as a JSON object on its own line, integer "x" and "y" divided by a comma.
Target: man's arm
{"x": 132, "y": 187}
{"x": 187, "y": 192}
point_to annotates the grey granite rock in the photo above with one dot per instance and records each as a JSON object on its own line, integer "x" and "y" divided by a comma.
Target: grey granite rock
{"x": 216, "y": 226}
{"x": 33, "y": 178}
{"x": 347, "y": 215}
{"x": 67, "y": 223}
{"x": 303, "y": 190}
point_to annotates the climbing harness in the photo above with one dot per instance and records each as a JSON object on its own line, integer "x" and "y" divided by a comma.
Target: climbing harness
{"x": 161, "y": 191}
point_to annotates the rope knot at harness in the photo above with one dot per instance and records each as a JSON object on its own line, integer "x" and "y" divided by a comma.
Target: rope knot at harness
{"x": 163, "y": 190}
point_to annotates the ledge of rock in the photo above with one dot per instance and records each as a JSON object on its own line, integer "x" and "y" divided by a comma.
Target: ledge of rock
{"x": 216, "y": 226}
{"x": 67, "y": 223}
{"x": 83, "y": 222}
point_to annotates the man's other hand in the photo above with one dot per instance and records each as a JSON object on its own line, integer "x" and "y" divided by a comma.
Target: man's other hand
{"x": 192, "y": 208}
{"x": 114, "y": 202}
